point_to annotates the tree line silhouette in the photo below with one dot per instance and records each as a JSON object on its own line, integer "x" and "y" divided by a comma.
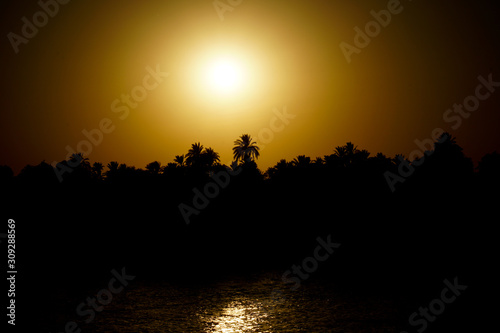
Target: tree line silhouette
{"x": 448, "y": 163}
{"x": 101, "y": 217}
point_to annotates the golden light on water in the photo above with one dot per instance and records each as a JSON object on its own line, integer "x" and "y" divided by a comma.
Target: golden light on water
{"x": 239, "y": 317}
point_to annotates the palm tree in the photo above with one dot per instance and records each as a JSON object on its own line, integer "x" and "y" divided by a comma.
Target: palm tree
{"x": 362, "y": 155}
{"x": 194, "y": 154}
{"x": 301, "y": 161}
{"x": 97, "y": 169}
{"x": 179, "y": 159}
{"x": 280, "y": 169}
{"x": 346, "y": 154}
{"x": 154, "y": 167}
{"x": 210, "y": 157}
{"x": 318, "y": 161}
{"x": 80, "y": 160}
{"x": 112, "y": 169}
{"x": 340, "y": 152}
{"x": 245, "y": 149}
{"x": 350, "y": 148}
{"x": 113, "y": 166}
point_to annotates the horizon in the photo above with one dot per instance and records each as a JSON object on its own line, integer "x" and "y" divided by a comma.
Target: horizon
{"x": 421, "y": 154}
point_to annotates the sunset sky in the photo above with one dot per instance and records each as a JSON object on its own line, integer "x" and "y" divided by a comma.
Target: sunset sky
{"x": 230, "y": 72}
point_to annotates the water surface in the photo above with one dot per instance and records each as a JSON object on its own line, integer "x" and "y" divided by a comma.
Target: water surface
{"x": 243, "y": 304}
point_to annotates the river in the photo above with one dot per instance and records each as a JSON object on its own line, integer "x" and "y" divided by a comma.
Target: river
{"x": 252, "y": 303}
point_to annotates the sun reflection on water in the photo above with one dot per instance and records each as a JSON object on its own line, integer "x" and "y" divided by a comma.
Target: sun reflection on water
{"x": 238, "y": 316}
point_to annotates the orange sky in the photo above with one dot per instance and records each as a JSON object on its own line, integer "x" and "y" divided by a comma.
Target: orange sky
{"x": 393, "y": 91}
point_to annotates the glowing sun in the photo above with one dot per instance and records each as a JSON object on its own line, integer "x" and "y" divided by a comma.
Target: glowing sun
{"x": 225, "y": 75}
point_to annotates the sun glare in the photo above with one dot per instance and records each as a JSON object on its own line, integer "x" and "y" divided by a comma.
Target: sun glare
{"x": 223, "y": 78}
{"x": 225, "y": 75}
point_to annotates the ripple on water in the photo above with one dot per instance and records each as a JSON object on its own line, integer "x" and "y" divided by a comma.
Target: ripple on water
{"x": 261, "y": 305}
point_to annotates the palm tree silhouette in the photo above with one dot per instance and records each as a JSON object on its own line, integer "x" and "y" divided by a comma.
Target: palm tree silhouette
{"x": 112, "y": 170}
{"x": 179, "y": 159}
{"x": 211, "y": 157}
{"x": 301, "y": 161}
{"x": 347, "y": 154}
{"x": 113, "y": 166}
{"x": 81, "y": 160}
{"x": 154, "y": 167}
{"x": 194, "y": 154}
{"x": 279, "y": 169}
{"x": 97, "y": 169}
{"x": 318, "y": 161}
{"x": 245, "y": 149}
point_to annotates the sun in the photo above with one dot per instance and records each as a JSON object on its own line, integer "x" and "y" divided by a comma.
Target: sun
{"x": 225, "y": 75}
{"x": 224, "y": 78}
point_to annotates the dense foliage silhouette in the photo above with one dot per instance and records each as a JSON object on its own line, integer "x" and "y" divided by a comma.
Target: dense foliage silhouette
{"x": 99, "y": 218}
